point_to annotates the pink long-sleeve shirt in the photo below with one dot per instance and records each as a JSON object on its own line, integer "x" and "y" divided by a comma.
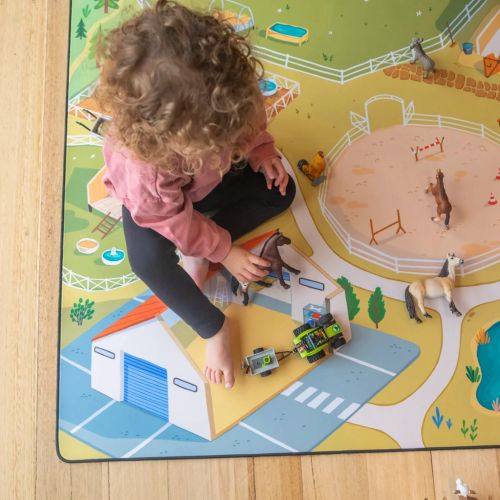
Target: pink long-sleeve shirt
{"x": 163, "y": 201}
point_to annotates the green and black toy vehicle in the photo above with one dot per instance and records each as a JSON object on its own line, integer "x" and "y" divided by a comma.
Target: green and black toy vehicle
{"x": 310, "y": 341}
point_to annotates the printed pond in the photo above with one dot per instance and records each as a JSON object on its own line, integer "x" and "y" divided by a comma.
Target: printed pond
{"x": 488, "y": 355}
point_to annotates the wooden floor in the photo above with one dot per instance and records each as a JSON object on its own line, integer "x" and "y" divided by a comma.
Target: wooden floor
{"x": 33, "y": 53}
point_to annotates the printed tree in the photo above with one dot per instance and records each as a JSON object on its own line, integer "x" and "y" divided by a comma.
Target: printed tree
{"x": 106, "y": 5}
{"x": 350, "y": 297}
{"x": 97, "y": 46}
{"x": 81, "y": 311}
{"x": 376, "y": 306}
{"x": 81, "y": 32}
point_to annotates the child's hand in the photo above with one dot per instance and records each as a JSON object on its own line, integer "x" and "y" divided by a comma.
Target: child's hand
{"x": 244, "y": 265}
{"x": 275, "y": 172}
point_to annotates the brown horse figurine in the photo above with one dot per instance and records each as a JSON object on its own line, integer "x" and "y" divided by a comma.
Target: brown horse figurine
{"x": 271, "y": 253}
{"x": 442, "y": 202}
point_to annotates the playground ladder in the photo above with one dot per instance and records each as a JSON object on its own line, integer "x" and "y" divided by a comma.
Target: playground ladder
{"x": 106, "y": 225}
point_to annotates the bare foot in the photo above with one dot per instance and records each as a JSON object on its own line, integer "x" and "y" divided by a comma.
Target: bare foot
{"x": 219, "y": 364}
{"x": 197, "y": 268}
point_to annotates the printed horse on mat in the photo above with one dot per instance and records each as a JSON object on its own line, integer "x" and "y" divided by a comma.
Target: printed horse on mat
{"x": 432, "y": 288}
{"x": 271, "y": 253}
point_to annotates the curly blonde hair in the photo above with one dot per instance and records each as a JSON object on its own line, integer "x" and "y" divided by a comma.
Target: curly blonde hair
{"x": 180, "y": 84}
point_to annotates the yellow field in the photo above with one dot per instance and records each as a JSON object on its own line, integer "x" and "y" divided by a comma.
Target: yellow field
{"x": 355, "y": 437}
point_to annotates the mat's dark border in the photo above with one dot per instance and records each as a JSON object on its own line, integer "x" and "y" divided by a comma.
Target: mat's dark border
{"x": 179, "y": 457}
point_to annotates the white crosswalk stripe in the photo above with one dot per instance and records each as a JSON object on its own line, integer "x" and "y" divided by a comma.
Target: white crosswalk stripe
{"x": 306, "y": 394}
{"x": 348, "y": 411}
{"x": 314, "y": 403}
{"x": 330, "y": 407}
{"x": 319, "y": 398}
{"x": 292, "y": 388}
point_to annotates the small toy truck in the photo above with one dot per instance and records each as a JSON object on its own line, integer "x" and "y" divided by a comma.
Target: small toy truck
{"x": 310, "y": 341}
{"x": 262, "y": 362}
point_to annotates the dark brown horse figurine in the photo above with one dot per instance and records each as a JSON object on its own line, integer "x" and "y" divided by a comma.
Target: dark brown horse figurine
{"x": 271, "y": 253}
{"x": 442, "y": 202}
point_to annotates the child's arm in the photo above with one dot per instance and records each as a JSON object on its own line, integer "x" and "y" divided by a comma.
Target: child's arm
{"x": 172, "y": 215}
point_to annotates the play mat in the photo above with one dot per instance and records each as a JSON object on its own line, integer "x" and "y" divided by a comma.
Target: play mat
{"x": 339, "y": 80}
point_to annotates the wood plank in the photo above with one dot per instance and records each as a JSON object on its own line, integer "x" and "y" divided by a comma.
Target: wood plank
{"x": 331, "y": 476}
{"x": 22, "y": 40}
{"x": 374, "y": 476}
{"x": 480, "y": 469}
{"x": 278, "y": 477}
{"x": 53, "y": 479}
{"x": 139, "y": 480}
{"x": 89, "y": 481}
{"x": 223, "y": 479}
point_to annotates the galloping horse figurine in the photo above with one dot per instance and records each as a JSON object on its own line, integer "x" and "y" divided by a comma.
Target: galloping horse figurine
{"x": 432, "y": 288}
{"x": 442, "y": 201}
{"x": 271, "y": 253}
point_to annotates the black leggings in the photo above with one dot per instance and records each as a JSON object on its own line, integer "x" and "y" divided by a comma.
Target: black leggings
{"x": 242, "y": 202}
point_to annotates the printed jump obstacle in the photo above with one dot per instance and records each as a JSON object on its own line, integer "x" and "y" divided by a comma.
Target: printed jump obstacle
{"x": 397, "y": 222}
{"x": 429, "y": 148}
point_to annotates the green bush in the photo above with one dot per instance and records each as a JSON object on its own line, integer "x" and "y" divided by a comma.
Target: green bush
{"x": 82, "y": 311}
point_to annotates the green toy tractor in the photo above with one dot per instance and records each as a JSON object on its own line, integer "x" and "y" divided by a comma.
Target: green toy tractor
{"x": 310, "y": 341}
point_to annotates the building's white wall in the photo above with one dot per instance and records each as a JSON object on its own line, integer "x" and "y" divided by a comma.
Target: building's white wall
{"x": 303, "y": 295}
{"x": 106, "y": 373}
{"x": 152, "y": 342}
{"x": 338, "y": 308}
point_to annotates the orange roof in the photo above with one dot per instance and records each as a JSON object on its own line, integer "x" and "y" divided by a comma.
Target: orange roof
{"x": 153, "y": 307}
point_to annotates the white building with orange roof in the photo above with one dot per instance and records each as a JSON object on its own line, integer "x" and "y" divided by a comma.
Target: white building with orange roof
{"x": 138, "y": 360}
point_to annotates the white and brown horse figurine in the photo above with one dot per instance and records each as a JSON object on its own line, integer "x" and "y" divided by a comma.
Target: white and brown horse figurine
{"x": 432, "y": 288}
{"x": 271, "y": 253}
{"x": 443, "y": 203}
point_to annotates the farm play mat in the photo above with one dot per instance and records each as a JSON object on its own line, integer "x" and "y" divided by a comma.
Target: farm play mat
{"x": 339, "y": 79}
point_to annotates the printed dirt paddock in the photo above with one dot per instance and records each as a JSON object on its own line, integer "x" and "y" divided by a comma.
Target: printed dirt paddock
{"x": 378, "y": 174}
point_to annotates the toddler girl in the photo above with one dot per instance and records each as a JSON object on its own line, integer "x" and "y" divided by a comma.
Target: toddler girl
{"x": 188, "y": 137}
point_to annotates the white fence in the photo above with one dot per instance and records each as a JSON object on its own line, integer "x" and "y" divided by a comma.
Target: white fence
{"x": 144, "y": 3}
{"x": 84, "y": 140}
{"x": 78, "y": 111}
{"x": 76, "y": 280}
{"x": 82, "y": 95}
{"x": 371, "y": 65}
{"x": 293, "y": 90}
{"x": 371, "y": 254}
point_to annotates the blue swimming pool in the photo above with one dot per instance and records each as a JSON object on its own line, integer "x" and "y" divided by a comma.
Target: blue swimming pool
{"x": 488, "y": 356}
{"x": 289, "y": 30}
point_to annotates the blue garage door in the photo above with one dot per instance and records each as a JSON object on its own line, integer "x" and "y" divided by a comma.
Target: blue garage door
{"x": 146, "y": 386}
